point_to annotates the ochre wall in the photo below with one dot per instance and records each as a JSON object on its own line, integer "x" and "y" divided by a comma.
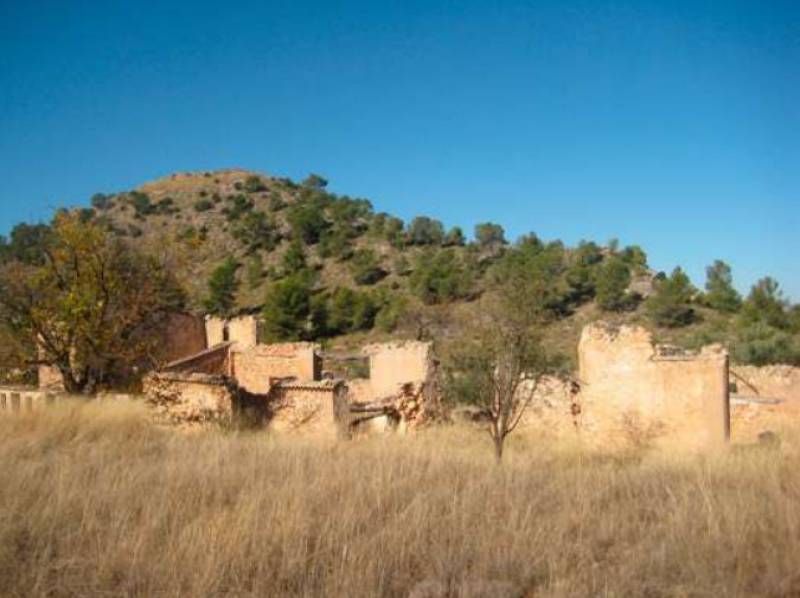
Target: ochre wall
{"x": 214, "y": 331}
{"x": 394, "y": 364}
{"x": 307, "y": 409}
{"x": 253, "y": 368}
{"x": 628, "y": 388}
{"x": 188, "y": 399}
{"x": 242, "y": 330}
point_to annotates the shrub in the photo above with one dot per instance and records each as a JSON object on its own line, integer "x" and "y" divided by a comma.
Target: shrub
{"x": 101, "y": 201}
{"x": 256, "y": 231}
{"x": 203, "y": 205}
{"x": 222, "y": 287}
{"x": 254, "y": 184}
{"x": 425, "y": 231}
{"x": 489, "y": 233}
{"x": 366, "y": 267}
{"x": 669, "y": 305}
{"x": 611, "y": 285}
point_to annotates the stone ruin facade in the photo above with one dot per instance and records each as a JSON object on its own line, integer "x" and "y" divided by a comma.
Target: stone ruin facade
{"x": 628, "y": 390}
{"x": 282, "y": 386}
{"x": 631, "y": 391}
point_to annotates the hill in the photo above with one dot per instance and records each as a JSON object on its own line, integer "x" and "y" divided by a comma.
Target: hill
{"x": 344, "y": 271}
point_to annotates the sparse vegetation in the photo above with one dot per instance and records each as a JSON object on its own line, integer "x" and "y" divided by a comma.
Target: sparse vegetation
{"x": 96, "y": 501}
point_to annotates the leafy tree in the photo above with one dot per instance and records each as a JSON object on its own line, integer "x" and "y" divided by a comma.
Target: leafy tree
{"x": 454, "y": 237}
{"x": 394, "y": 232}
{"x": 500, "y": 360}
{"x": 489, "y": 233}
{"x": 222, "y": 288}
{"x": 350, "y": 311}
{"x": 366, "y": 267}
{"x": 439, "y": 277}
{"x": 28, "y": 244}
{"x": 92, "y": 308}
{"x": 307, "y": 222}
{"x": 391, "y": 312}
{"x": 580, "y": 275}
{"x": 720, "y": 294}
{"x": 539, "y": 269}
{"x": 670, "y": 305}
{"x": 294, "y": 260}
{"x": 290, "y": 311}
{"x": 766, "y": 304}
{"x": 611, "y": 286}
{"x": 315, "y": 181}
{"x": 634, "y": 256}
{"x": 425, "y": 231}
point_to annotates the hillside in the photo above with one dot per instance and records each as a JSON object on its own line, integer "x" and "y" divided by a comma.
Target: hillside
{"x": 368, "y": 274}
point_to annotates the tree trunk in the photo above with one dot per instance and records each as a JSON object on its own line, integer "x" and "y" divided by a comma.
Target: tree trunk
{"x": 498, "y": 448}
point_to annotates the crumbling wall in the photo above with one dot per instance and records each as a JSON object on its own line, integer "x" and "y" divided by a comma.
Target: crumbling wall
{"x": 189, "y": 399}
{"x": 215, "y": 360}
{"x": 313, "y": 407}
{"x": 257, "y": 367}
{"x": 768, "y": 382}
{"x": 241, "y": 329}
{"x": 215, "y": 331}
{"x": 634, "y": 390}
{"x": 391, "y": 365}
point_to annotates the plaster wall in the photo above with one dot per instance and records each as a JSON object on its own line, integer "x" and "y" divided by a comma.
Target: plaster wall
{"x": 392, "y": 365}
{"x": 768, "y": 382}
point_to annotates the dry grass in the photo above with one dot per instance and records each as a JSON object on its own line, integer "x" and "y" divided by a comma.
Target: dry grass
{"x": 95, "y": 501}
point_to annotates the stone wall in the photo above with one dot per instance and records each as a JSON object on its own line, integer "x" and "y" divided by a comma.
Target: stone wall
{"x": 632, "y": 392}
{"x": 315, "y": 408}
{"x": 391, "y": 365}
{"x": 257, "y": 367}
{"x": 632, "y": 389}
{"x": 215, "y": 360}
{"x": 189, "y": 399}
{"x": 768, "y": 382}
{"x": 242, "y": 330}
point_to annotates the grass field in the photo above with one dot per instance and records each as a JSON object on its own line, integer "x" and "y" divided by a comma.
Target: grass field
{"x": 96, "y": 501}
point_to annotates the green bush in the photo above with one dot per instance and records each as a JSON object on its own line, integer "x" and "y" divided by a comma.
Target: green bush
{"x": 440, "y": 277}
{"x": 425, "y": 231}
{"x": 611, "y": 285}
{"x": 203, "y": 205}
{"x": 222, "y": 288}
{"x": 365, "y": 266}
{"x": 254, "y": 184}
{"x": 670, "y": 305}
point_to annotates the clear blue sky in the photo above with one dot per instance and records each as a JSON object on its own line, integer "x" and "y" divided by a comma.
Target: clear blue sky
{"x": 671, "y": 124}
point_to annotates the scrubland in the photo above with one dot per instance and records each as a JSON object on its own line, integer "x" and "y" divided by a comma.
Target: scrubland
{"x": 94, "y": 500}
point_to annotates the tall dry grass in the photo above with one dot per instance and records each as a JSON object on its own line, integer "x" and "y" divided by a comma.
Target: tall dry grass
{"x": 95, "y": 501}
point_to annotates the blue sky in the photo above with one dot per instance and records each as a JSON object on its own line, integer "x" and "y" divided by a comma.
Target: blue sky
{"x": 673, "y": 124}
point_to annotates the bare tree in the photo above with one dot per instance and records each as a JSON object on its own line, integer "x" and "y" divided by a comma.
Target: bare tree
{"x": 500, "y": 360}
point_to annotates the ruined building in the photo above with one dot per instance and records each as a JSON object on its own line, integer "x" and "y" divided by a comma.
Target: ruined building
{"x": 630, "y": 390}
{"x": 282, "y": 387}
